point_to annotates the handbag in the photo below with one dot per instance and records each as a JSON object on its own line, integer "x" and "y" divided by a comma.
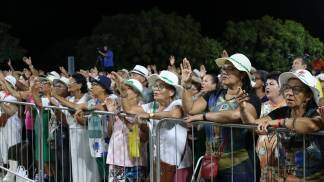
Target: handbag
{"x": 209, "y": 166}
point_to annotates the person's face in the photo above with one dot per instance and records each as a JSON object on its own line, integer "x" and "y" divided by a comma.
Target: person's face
{"x": 258, "y": 81}
{"x": 60, "y": 89}
{"x": 130, "y": 92}
{"x": 45, "y": 86}
{"x": 96, "y": 89}
{"x": 229, "y": 74}
{"x": 207, "y": 84}
{"x": 272, "y": 88}
{"x": 23, "y": 81}
{"x": 194, "y": 89}
{"x": 138, "y": 77}
{"x": 73, "y": 85}
{"x": 27, "y": 73}
{"x": 162, "y": 91}
{"x": 295, "y": 93}
{"x": 298, "y": 64}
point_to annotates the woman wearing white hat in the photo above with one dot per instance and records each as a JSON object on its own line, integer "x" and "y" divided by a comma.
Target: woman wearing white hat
{"x": 300, "y": 115}
{"x": 166, "y": 90}
{"x": 10, "y": 125}
{"x": 221, "y": 106}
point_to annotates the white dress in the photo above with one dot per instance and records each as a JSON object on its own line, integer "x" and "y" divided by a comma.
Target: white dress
{"x": 172, "y": 139}
{"x": 10, "y": 134}
{"x": 84, "y": 167}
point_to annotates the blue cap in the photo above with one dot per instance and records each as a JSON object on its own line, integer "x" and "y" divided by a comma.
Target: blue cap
{"x": 104, "y": 82}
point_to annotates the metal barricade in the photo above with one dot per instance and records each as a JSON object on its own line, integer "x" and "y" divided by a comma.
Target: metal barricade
{"x": 72, "y": 162}
{"x": 281, "y": 157}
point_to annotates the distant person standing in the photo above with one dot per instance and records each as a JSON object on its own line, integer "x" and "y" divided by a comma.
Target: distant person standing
{"x": 106, "y": 58}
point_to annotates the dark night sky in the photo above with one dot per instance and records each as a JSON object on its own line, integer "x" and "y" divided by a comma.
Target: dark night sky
{"x": 40, "y": 24}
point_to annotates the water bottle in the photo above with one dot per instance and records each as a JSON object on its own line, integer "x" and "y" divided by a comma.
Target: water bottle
{"x": 36, "y": 178}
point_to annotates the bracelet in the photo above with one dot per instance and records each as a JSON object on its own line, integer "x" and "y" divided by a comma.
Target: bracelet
{"x": 277, "y": 125}
{"x": 284, "y": 123}
{"x": 204, "y": 116}
{"x": 293, "y": 124}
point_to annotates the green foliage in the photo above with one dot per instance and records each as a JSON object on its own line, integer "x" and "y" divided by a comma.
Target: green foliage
{"x": 268, "y": 42}
{"x": 148, "y": 38}
{"x": 9, "y": 45}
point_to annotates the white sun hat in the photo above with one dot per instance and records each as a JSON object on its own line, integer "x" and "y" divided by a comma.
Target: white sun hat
{"x": 169, "y": 78}
{"x": 135, "y": 84}
{"x": 141, "y": 70}
{"x": 240, "y": 62}
{"x": 63, "y": 80}
{"x": 304, "y": 76}
{"x": 53, "y": 75}
{"x": 12, "y": 80}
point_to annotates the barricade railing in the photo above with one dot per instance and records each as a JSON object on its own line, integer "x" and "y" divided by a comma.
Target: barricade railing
{"x": 75, "y": 172}
{"x": 169, "y": 124}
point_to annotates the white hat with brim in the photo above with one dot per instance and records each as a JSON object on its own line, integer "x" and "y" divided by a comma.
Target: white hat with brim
{"x": 141, "y": 70}
{"x": 63, "y": 80}
{"x": 12, "y": 80}
{"x": 305, "y": 77}
{"x": 169, "y": 78}
{"x": 136, "y": 85}
{"x": 240, "y": 62}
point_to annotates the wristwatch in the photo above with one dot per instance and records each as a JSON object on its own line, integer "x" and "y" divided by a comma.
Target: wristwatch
{"x": 151, "y": 115}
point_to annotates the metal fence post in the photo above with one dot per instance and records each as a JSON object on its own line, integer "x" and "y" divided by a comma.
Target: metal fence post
{"x": 40, "y": 140}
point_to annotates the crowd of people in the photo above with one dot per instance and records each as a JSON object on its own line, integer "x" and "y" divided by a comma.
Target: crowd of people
{"x": 89, "y": 146}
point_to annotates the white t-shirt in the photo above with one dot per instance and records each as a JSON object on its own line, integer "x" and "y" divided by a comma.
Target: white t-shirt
{"x": 172, "y": 138}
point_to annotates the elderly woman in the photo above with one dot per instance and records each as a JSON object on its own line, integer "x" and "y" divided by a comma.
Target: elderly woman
{"x": 300, "y": 115}
{"x": 84, "y": 167}
{"x": 220, "y": 106}
{"x": 10, "y": 124}
{"x": 124, "y": 163}
{"x": 166, "y": 89}
{"x": 266, "y": 144}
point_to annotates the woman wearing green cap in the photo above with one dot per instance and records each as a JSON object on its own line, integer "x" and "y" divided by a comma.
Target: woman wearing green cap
{"x": 127, "y": 147}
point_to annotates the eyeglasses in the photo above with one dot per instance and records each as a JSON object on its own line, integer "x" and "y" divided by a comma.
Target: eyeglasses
{"x": 227, "y": 67}
{"x": 44, "y": 82}
{"x": 295, "y": 89}
{"x": 158, "y": 87}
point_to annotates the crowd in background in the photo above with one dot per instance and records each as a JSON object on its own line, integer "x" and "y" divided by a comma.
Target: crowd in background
{"x": 98, "y": 147}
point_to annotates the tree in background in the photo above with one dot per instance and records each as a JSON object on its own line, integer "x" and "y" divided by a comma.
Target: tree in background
{"x": 148, "y": 38}
{"x": 269, "y": 42}
{"x": 9, "y": 45}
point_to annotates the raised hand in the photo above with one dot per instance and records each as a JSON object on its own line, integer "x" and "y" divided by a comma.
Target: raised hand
{"x": 202, "y": 71}
{"x": 9, "y": 62}
{"x": 242, "y": 98}
{"x": 172, "y": 60}
{"x": 224, "y": 54}
{"x": 186, "y": 71}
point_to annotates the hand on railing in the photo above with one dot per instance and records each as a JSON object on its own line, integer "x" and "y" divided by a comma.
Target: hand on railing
{"x": 320, "y": 111}
{"x": 111, "y": 105}
{"x": 192, "y": 118}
